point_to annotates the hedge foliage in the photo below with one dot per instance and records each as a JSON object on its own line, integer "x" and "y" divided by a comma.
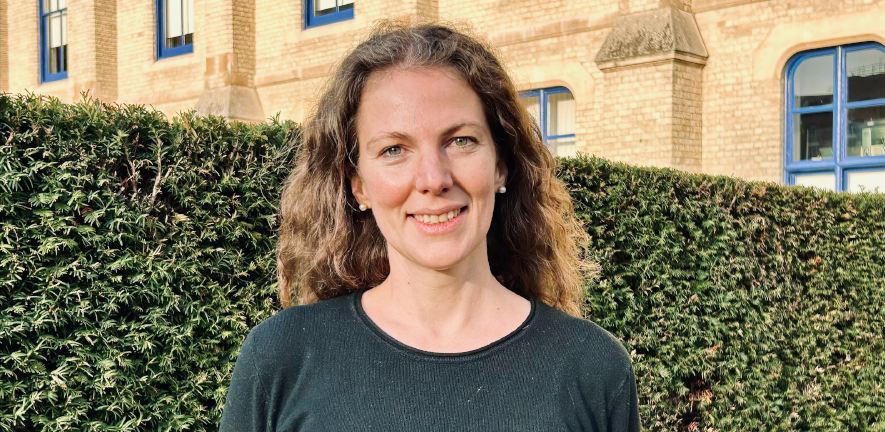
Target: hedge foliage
{"x": 135, "y": 255}
{"x": 137, "y": 252}
{"x": 747, "y": 306}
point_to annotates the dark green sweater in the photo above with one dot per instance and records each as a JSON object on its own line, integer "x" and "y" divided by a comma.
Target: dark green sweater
{"x": 327, "y": 367}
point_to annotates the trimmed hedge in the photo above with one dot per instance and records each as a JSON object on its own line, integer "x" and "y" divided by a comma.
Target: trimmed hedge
{"x": 136, "y": 253}
{"x": 746, "y": 305}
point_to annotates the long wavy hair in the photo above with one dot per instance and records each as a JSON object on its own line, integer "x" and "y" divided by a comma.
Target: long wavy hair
{"x": 328, "y": 248}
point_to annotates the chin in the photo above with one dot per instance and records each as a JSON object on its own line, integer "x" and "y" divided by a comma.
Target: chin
{"x": 438, "y": 261}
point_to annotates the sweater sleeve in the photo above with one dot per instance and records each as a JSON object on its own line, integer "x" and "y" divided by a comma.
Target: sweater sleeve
{"x": 245, "y": 409}
{"x": 624, "y": 410}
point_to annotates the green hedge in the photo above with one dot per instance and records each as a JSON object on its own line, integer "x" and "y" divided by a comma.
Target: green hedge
{"x": 136, "y": 253}
{"x": 748, "y": 306}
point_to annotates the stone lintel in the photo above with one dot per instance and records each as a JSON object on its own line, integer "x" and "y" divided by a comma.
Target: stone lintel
{"x": 650, "y": 60}
{"x": 233, "y": 102}
{"x": 665, "y": 33}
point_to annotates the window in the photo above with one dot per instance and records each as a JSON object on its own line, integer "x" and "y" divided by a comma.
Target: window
{"x": 554, "y": 110}
{"x": 175, "y": 27}
{"x": 322, "y": 12}
{"x": 835, "y": 125}
{"x": 53, "y": 40}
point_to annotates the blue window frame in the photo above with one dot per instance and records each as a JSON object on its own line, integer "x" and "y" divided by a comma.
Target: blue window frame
{"x": 554, "y": 110}
{"x": 322, "y": 12}
{"x": 835, "y": 118}
{"x": 175, "y": 27}
{"x": 53, "y": 40}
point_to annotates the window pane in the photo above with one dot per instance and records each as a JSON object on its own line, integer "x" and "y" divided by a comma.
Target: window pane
{"x": 873, "y": 181}
{"x": 866, "y": 131}
{"x": 173, "y": 20}
{"x": 532, "y": 105}
{"x": 560, "y": 114}
{"x": 562, "y": 147}
{"x": 866, "y": 75}
{"x": 62, "y": 4}
{"x": 342, "y": 4}
{"x": 54, "y": 31}
{"x": 323, "y": 7}
{"x": 822, "y": 181}
{"x": 189, "y": 22}
{"x": 813, "y": 136}
{"x": 64, "y": 28}
{"x": 813, "y": 82}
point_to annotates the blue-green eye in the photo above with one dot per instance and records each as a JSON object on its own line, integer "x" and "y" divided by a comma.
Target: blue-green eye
{"x": 461, "y": 141}
{"x": 393, "y": 151}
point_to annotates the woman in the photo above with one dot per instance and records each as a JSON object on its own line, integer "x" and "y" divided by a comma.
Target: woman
{"x": 435, "y": 256}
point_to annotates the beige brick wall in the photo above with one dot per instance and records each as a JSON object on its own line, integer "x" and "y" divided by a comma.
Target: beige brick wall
{"x": 171, "y": 84}
{"x": 4, "y": 47}
{"x": 722, "y": 118}
{"x": 637, "y": 115}
{"x": 24, "y": 48}
{"x": 496, "y": 15}
{"x": 292, "y": 63}
{"x": 687, "y": 116}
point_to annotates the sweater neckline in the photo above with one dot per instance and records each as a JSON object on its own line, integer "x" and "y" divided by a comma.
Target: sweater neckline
{"x": 357, "y": 306}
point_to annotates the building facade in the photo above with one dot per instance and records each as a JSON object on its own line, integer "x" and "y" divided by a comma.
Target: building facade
{"x": 789, "y": 91}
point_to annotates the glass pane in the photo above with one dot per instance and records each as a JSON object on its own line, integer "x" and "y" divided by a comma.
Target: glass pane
{"x": 562, "y": 147}
{"x": 872, "y": 181}
{"x": 189, "y": 22}
{"x": 343, "y": 3}
{"x": 64, "y": 28}
{"x": 866, "y": 131}
{"x": 323, "y": 7}
{"x": 50, "y": 5}
{"x": 813, "y": 136}
{"x": 62, "y": 4}
{"x": 54, "y": 31}
{"x": 533, "y": 106}
{"x": 866, "y": 75}
{"x": 822, "y": 181}
{"x": 173, "y": 19}
{"x": 813, "y": 82}
{"x": 560, "y": 114}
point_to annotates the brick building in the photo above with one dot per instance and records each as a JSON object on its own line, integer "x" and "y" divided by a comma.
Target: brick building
{"x": 782, "y": 90}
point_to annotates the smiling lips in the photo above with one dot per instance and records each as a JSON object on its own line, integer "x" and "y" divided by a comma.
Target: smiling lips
{"x": 437, "y": 219}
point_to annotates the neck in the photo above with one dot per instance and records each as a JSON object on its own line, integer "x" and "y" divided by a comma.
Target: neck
{"x": 450, "y": 310}
{"x": 439, "y": 298}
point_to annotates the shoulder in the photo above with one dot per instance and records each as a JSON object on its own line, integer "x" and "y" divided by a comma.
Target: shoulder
{"x": 296, "y": 330}
{"x": 585, "y": 344}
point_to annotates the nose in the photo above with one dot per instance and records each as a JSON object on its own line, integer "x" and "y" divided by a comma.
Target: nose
{"x": 434, "y": 173}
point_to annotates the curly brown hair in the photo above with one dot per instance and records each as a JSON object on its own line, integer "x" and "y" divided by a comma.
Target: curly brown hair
{"x": 327, "y": 248}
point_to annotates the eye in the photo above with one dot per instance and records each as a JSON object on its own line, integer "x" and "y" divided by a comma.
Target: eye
{"x": 463, "y": 141}
{"x": 392, "y": 151}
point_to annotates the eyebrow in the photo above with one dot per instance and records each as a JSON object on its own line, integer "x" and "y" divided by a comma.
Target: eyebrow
{"x": 403, "y": 136}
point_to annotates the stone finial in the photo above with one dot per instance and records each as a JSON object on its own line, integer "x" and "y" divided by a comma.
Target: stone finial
{"x": 665, "y": 33}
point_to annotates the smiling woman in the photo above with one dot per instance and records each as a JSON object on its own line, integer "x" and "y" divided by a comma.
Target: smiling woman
{"x": 436, "y": 261}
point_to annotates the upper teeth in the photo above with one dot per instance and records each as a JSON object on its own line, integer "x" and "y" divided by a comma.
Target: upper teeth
{"x": 434, "y": 219}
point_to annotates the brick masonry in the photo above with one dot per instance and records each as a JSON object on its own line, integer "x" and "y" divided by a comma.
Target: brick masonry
{"x": 722, "y": 117}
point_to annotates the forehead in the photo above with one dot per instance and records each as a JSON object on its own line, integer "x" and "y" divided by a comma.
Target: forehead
{"x": 415, "y": 100}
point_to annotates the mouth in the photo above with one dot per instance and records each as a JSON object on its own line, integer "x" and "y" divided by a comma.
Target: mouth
{"x": 439, "y": 218}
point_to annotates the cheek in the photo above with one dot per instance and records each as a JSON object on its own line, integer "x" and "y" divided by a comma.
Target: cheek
{"x": 387, "y": 191}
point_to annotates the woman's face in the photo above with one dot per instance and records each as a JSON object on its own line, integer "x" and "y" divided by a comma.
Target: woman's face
{"x": 427, "y": 166}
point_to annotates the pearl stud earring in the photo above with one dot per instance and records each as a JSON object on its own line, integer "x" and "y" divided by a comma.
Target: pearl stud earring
{"x": 363, "y": 207}
{"x": 502, "y": 189}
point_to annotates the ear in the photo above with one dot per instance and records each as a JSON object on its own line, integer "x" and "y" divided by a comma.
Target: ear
{"x": 500, "y": 174}
{"x": 356, "y": 186}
